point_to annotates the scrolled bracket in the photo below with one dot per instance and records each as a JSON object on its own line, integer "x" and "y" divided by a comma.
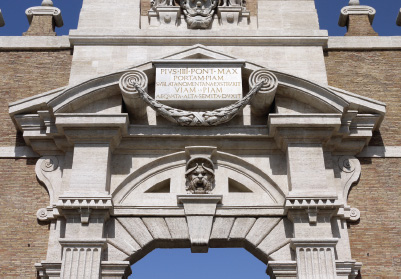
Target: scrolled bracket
{"x": 132, "y": 99}
{"x": 350, "y": 168}
{"x": 48, "y": 172}
{"x": 263, "y": 100}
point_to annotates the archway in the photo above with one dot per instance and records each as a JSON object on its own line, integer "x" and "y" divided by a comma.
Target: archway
{"x": 233, "y": 263}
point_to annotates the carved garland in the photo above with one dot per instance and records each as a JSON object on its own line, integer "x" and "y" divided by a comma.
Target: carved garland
{"x": 202, "y": 118}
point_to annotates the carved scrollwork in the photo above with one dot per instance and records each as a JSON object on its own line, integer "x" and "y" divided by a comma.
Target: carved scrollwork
{"x": 128, "y": 80}
{"x": 350, "y": 172}
{"x": 199, "y": 175}
{"x": 346, "y": 165}
{"x": 41, "y": 214}
{"x": 270, "y": 82}
{"x": 49, "y": 164}
{"x": 202, "y": 118}
{"x": 355, "y": 214}
{"x": 48, "y": 171}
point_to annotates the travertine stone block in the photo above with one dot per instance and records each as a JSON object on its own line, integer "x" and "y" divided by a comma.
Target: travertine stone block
{"x": 221, "y": 228}
{"x": 178, "y": 228}
{"x": 241, "y": 228}
{"x": 157, "y": 227}
{"x": 279, "y": 236}
{"x": 307, "y": 175}
{"x": 90, "y": 169}
{"x": 260, "y": 229}
{"x": 137, "y": 228}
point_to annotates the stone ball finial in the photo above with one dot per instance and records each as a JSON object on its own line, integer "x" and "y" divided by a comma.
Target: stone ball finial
{"x": 353, "y": 3}
{"x": 47, "y": 3}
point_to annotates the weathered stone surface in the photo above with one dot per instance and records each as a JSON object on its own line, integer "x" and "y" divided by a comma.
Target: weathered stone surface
{"x": 221, "y": 228}
{"x": 281, "y": 174}
{"x": 178, "y": 228}
{"x": 241, "y": 228}
{"x": 260, "y": 229}
{"x": 157, "y": 227}
{"x": 136, "y": 227}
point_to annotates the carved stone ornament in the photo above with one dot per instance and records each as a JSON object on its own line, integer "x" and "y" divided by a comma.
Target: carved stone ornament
{"x": 202, "y": 118}
{"x": 41, "y": 214}
{"x": 350, "y": 172}
{"x": 49, "y": 164}
{"x": 161, "y": 3}
{"x": 198, "y": 13}
{"x": 199, "y": 175}
{"x": 355, "y": 214}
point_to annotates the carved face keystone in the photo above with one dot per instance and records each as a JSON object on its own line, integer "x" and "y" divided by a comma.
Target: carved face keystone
{"x": 199, "y": 177}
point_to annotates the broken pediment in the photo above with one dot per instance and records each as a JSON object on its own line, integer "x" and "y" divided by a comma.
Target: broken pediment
{"x": 100, "y": 101}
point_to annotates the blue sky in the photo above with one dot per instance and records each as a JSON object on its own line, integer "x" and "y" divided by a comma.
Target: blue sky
{"x": 329, "y": 11}
{"x": 218, "y": 263}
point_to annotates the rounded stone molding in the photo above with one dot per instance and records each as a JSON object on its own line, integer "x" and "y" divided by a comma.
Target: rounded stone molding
{"x": 353, "y": 2}
{"x": 345, "y": 164}
{"x": 49, "y": 164}
{"x": 130, "y": 78}
{"x": 48, "y": 3}
{"x": 270, "y": 81}
{"x": 355, "y": 214}
{"x": 41, "y": 214}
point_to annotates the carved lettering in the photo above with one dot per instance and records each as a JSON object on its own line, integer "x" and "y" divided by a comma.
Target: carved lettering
{"x": 198, "y": 84}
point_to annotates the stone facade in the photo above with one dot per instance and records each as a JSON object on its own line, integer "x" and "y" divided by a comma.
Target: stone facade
{"x": 273, "y": 172}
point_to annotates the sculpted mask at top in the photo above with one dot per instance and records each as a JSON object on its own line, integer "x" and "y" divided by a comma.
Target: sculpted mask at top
{"x": 198, "y": 13}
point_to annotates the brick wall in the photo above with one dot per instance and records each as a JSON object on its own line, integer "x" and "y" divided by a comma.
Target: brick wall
{"x": 359, "y": 25}
{"x": 24, "y": 74}
{"x": 23, "y": 241}
{"x": 374, "y": 74}
{"x": 375, "y": 240}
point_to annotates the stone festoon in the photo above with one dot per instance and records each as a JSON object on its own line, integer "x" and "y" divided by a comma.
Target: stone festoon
{"x": 199, "y": 124}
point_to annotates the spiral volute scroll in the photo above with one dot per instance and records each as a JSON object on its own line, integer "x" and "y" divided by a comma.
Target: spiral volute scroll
{"x": 49, "y": 163}
{"x": 269, "y": 79}
{"x": 355, "y": 214}
{"x": 128, "y": 80}
{"x": 41, "y": 214}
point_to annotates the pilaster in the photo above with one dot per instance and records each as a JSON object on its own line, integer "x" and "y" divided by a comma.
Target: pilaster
{"x": 358, "y": 19}
{"x": 315, "y": 258}
{"x": 82, "y": 258}
{"x": 43, "y": 19}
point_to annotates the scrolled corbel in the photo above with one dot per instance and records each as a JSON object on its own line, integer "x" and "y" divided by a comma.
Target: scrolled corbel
{"x": 354, "y": 215}
{"x": 263, "y": 99}
{"x": 45, "y": 214}
{"x": 132, "y": 99}
{"x": 48, "y": 172}
{"x": 350, "y": 168}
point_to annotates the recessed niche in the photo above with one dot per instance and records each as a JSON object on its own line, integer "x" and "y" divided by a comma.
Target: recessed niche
{"x": 161, "y": 187}
{"x": 236, "y": 187}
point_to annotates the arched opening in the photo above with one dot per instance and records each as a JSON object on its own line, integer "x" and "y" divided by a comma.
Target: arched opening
{"x": 233, "y": 263}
